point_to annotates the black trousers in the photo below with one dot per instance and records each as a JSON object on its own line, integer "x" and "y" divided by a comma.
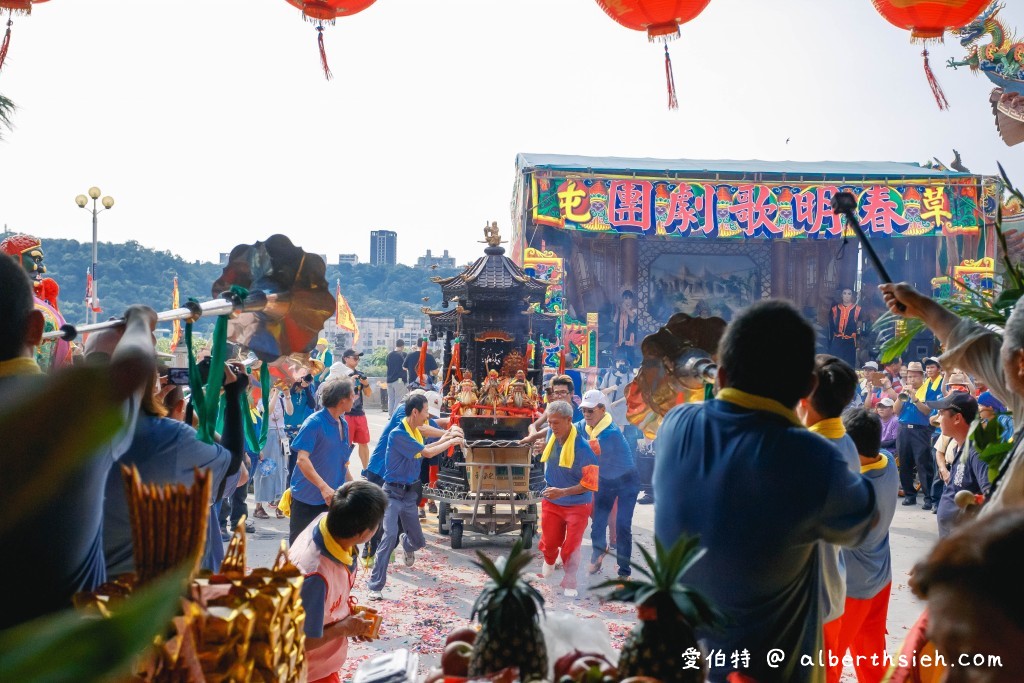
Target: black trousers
{"x": 370, "y": 547}
{"x": 302, "y": 515}
{"x": 239, "y": 508}
{"x": 914, "y": 444}
{"x": 845, "y": 349}
{"x": 645, "y": 468}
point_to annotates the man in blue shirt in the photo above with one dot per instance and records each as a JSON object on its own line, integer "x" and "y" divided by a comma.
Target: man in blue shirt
{"x": 914, "y": 443}
{"x": 323, "y": 449}
{"x": 968, "y": 472}
{"x": 571, "y": 473}
{"x": 406, "y": 448}
{"x": 374, "y": 471}
{"x": 761, "y": 492}
{"x": 618, "y": 481}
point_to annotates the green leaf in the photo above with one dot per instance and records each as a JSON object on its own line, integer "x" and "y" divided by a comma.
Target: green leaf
{"x": 993, "y": 456}
{"x": 897, "y": 346}
{"x": 71, "y": 646}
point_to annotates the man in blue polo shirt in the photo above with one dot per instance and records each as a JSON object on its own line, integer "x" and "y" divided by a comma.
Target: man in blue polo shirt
{"x": 619, "y": 481}
{"x": 914, "y": 443}
{"x": 761, "y": 492}
{"x": 323, "y": 449}
{"x": 571, "y": 474}
{"x": 406, "y": 448}
{"x": 374, "y": 471}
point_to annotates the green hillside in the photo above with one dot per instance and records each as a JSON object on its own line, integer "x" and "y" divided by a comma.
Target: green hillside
{"x": 130, "y": 273}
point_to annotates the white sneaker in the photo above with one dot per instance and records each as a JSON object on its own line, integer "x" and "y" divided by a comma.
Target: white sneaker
{"x": 558, "y": 563}
{"x": 547, "y": 571}
{"x": 408, "y": 556}
{"x": 376, "y": 595}
{"x": 571, "y": 593}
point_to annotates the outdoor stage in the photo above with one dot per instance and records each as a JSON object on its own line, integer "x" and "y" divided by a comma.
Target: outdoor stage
{"x": 709, "y": 237}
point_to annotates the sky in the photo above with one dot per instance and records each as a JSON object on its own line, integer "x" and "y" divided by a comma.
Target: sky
{"x": 210, "y": 122}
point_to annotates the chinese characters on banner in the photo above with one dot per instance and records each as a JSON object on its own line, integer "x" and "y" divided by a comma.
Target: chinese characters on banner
{"x": 762, "y": 210}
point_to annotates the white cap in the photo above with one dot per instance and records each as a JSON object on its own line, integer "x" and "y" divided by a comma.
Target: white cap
{"x": 433, "y": 403}
{"x": 871, "y": 364}
{"x": 887, "y": 402}
{"x": 593, "y": 398}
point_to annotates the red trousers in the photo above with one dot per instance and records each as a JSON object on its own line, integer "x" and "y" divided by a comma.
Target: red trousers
{"x": 432, "y": 479}
{"x": 333, "y": 678}
{"x": 861, "y": 630}
{"x": 562, "y": 528}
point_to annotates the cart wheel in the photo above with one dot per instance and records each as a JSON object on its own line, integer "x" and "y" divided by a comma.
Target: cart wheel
{"x": 456, "y": 537}
{"x": 532, "y": 509}
{"x": 442, "y": 518}
{"x": 527, "y": 535}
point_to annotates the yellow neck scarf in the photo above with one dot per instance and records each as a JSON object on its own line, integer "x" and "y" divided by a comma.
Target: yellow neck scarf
{"x": 880, "y": 465}
{"x": 753, "y": 402}
{"x": 603, "y": 424}
{"x": 333, "y": 547}
{"x": 414, "y": 433}
{"x": 830, "y": 428}
{"x": 567, "y": 456}
{"x": 922, "y": 391}
{"x": 19, "y": 366}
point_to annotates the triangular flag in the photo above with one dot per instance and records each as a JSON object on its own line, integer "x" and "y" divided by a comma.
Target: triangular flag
{"x": 344, "y": 318}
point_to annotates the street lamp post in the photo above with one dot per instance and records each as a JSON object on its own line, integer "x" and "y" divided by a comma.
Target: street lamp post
{"x": 83, "y": 201}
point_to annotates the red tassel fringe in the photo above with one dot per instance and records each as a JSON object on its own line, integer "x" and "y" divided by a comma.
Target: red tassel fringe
{"x": 323, "y": 53}
{"x": 940, "y": 97}
{"x": 6, "y": 44}
{"x": 670, "y": 82}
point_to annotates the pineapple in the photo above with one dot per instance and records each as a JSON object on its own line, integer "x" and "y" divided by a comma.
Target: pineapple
{"x": 670, "y": 612}
{"x": 508, "y": 610}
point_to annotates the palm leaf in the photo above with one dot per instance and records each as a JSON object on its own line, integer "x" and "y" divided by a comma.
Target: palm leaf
{"x": 71, "y": 646}
{"x": 897, "y": 346}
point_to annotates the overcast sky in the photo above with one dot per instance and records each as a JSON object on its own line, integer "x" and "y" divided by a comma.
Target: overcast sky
{"x": 210, "y": 122}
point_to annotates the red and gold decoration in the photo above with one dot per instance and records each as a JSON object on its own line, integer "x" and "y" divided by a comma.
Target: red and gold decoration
{"x": 661, "y": 20}
{"x": 13, "y": 7}
{"x": 322, "y": 12}
{"x": 929, "y": 20}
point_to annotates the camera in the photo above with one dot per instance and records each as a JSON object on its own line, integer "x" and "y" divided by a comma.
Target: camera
{"x": 178, "y": 376}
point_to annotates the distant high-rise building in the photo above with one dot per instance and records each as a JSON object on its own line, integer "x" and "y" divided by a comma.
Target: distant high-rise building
{"x": 429, "y": 260}
{"x": 383, "y": 248}
{"x": 351, "y": 259}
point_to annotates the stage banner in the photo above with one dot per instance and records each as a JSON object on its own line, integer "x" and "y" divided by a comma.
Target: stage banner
{"x": 701, "y": 208}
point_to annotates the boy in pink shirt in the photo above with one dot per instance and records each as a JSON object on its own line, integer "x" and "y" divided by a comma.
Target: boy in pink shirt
{"x": 326, "y": 553}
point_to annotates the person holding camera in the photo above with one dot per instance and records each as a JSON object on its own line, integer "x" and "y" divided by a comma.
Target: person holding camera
{"x": 358, "y": 427}
{"x": 914, "y": 442}
{"x": 303, "y": 405}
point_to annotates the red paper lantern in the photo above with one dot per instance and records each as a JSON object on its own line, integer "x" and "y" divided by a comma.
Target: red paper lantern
{"x": 13, "y": 7}
{"x": 326, "y": 11}
{"x": 929, "y": 20}
{"x": 661, "y": 20}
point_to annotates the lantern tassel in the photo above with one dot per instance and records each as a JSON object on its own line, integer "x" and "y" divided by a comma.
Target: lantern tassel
{"x": 940, "y": 97}
{"x": 6, "y": 44}
{"x": 323, "y": 53}
{"x": 670, "y": 82}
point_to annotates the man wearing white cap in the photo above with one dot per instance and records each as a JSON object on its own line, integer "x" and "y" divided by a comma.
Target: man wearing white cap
{"x": 618, "y": 479}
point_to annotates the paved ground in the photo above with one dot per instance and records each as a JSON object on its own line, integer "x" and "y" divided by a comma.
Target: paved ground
{"x": 426, "y": 602}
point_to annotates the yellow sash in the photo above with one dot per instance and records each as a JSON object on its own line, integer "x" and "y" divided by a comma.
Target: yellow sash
{"x": 19, "y": 366}
{"x": 922, "y": 391}
{"x": 603, "y": 424}
{"x": 333, "y": 548}
{"x": 754, "y": 402}
{"x": 414, "y": 433}
{"x": 285, "y": 504}
{"x": 830, "y": 428}
{"x": 567, "y": 456}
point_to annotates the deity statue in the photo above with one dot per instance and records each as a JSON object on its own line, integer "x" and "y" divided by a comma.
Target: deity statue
{"x": 491, "y": 389}
{"x": 467, "y": 397}
{"x": 492, "y": 236}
